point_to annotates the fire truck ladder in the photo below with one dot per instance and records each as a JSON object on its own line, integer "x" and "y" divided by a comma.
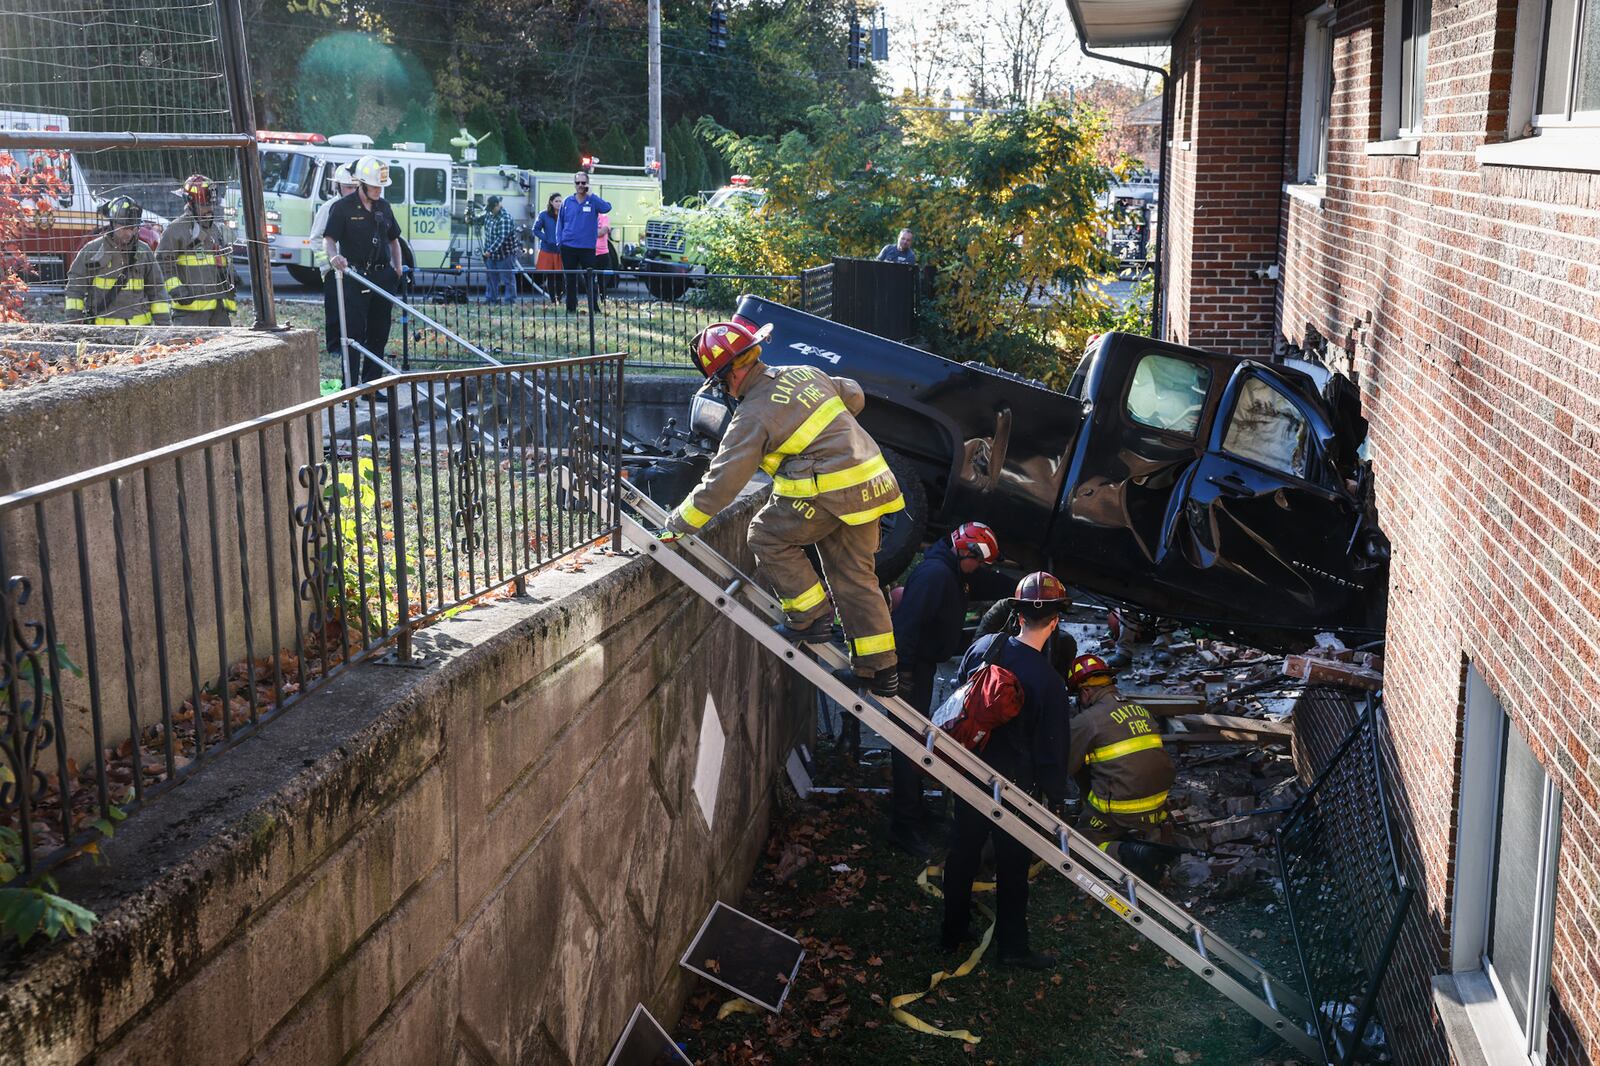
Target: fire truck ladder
{"x": 1271, "y": 1001}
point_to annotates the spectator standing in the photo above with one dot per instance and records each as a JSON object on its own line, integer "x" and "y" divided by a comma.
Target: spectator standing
{"x": 548, "y": 261}
{"x": 362, "y": 233}
{"x": 577, "y": 230}
{"x": 602, "y": 255}
{"x": 499, "y": 253}
{"x": 1028, "y": 750}
{"x": 900, "y": 251}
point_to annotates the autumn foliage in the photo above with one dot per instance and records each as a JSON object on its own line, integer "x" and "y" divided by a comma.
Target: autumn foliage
{"x": 29, "y": 194}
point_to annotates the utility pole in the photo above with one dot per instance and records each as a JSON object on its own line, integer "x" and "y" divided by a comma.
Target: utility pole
{"x": 655, "y": 85}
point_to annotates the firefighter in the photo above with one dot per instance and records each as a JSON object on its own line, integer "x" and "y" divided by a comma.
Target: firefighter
{"x": 114, "y": 280}
{"x": 195, "y": 254}
{"x": 1123, "y": 772}
{"x": 830, "y": 486}
{"x": 928, "y": 629}
{"x": 362, "y": 233}
{"x": 1027, "y": 750}
{"x": 345, "y": 182}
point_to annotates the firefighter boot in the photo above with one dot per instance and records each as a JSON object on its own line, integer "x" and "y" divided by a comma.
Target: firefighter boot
{"x": 885, "y": 682}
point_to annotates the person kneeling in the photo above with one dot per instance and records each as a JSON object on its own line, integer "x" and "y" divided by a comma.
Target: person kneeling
{"x": 1027, "y": 750}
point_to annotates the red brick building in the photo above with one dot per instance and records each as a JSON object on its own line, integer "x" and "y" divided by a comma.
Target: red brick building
{"x": 1410, "y": 189}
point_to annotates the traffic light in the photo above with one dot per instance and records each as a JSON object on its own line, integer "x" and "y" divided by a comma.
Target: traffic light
{"x": 853, "y": 54}
{"x": 717, "y": 40}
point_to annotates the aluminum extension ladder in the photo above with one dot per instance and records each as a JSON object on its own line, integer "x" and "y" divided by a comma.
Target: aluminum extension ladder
{"x": 1274, "y": 1003}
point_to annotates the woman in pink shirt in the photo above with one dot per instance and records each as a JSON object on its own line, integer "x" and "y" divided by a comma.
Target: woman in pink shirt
{"x": 602, "y": 253}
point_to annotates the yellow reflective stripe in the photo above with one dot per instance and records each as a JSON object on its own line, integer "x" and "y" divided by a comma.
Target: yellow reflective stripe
{"x": 692, "y": 515}
{"x": 197, "y": 305}
{"x": 832, "y": 481}
{"x": 231, "y": 305}
{"x": 104, "y": 283}
{"x": 173, "y": 283}
{"x": 1107, "y": 752}
{"x": 135, "y": 285}
{"x": 136, "y": 320}
{"x": 874, "y": 645}
{"x": 801, "y": 438}
{"x": 74, "y": 303}
{"x": 861, "y": 518}
{"x": 808, "y": 599}
{"x": 1142, "y": 805}
{"x": 188, "y": 259}
{"x": 160, "y": 307}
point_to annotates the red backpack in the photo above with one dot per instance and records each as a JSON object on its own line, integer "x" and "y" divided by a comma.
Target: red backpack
{"x": 989, "y": 699}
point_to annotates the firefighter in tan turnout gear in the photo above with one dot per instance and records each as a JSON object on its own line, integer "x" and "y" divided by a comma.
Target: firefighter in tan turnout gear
{"x": 114, "y": 280}
{"x": 830, "y": 486}
{"x": 195, "y": 254}
{"x": 1123, "y": 771}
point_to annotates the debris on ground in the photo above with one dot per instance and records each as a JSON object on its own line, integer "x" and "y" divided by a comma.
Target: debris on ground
{"x": 22, "y": 366}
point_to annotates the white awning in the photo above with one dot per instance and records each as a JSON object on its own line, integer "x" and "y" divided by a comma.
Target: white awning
{"x": 1125, "y": 23}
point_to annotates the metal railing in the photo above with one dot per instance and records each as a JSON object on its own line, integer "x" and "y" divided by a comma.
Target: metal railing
{"x": 160, "y": 609}
{"x": 1347, "y": 898}
{"x": 651, "y": 315}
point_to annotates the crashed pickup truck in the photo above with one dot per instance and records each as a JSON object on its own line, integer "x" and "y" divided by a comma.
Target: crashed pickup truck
{"x": 1219, "y": 490}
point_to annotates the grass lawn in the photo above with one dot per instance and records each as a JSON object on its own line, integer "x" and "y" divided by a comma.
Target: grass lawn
{"x": 869, "y": 934}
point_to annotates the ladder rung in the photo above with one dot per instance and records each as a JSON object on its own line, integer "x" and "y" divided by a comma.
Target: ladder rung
{"x": 1266, "y": 992}
{"x": 1133, "y": 891}
{"x": 738, "y": 583}
{"x": 1199, "y": 942}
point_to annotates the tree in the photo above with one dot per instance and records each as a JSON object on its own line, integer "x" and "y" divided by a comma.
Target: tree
{"x": 613, "y": 148}
{"x": 519, "y": 150}
{"x": 562, "y": 148}
{"x": 492, "y": 148}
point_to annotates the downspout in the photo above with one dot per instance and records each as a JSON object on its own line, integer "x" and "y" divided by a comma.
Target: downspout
{"x": 1158, "y": 301}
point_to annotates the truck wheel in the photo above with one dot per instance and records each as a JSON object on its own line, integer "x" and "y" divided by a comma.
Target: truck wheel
{"x": 310, "y": 277}
{"x": 665, "y": 287}
{"x": 900, "y": 533}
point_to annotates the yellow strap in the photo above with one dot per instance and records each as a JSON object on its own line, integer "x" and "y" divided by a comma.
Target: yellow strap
{"x": 197, "y": 305}
{"x": 692, "y": 515}
{"x": 847, "y": 478}
{"x": 1142, "y": 805}
{"x": 1107, "y": 752}
{"x": 809, "y": 430}
{"x": 876, "y": 644}
{"x": 808, "y": 599}
{"x": 74, "y": 303}
{"x": 861, "y": 518}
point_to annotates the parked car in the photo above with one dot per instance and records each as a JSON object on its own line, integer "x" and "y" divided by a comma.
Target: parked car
{"x": 1195, "y": 485}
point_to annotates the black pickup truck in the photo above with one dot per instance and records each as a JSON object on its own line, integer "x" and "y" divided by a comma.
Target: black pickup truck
{"x": 1193, "y": 485}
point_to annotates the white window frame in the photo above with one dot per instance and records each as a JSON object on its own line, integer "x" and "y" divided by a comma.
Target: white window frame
{"x": 1316, "y": 97}
{"x": 1499, "y": 1035}
{"x": 1533, "y": 140}
{"x": 1541, "y": 39}
{"x": 1394, "y": 46}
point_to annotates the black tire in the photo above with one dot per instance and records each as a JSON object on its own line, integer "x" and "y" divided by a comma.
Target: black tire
{"x": 900, "y": 533}
{"x": 310, "y": 277}
{"x": 665, "y": 287}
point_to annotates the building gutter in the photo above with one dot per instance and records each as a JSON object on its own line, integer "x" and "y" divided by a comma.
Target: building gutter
{"x": 1158, "y": 301}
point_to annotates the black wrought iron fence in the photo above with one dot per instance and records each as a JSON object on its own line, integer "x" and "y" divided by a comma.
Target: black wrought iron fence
{"x": 649, "y": 315}
{"x": 158, "y": 610}
{"x": 1347, "y": 897}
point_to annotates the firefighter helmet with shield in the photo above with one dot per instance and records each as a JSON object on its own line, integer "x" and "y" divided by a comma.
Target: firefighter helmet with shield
{"x": 715, "y": 348}
{"x": 122, "y": 211}
{"x": 370, "y": 170}
{"x": 1040, "y": 591}
{"x": 974, "y": 540}
{"x": 342, "y": 175}
{"x": 200, "y": 190}
{"x": 1086, "y": 666}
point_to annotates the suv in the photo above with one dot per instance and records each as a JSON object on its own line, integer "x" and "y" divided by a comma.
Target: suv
{"x": 1205, "y": 487}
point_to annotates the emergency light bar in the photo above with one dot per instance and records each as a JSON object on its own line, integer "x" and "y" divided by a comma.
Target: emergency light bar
{"x": 280, "y": 137}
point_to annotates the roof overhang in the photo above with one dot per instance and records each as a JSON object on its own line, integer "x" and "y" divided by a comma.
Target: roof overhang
{"x": 1127, "y": 23}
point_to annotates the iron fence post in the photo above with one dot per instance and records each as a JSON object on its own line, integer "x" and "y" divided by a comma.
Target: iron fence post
{"x": 616, "y": 460}
{"x": 236, "y": 65}
{"x": 594, "y": 305}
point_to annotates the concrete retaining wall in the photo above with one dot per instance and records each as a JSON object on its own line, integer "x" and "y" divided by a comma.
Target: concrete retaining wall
{"x": 489, "y": 860}
{"x": 76, "y": 422}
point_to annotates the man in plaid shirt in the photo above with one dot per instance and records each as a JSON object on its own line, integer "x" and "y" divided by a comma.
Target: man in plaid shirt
{"x": 499, "y": 253}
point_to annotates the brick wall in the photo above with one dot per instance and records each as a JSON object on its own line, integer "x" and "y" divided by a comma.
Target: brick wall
{"x": 1223, "y": 219}
{"x": 1463, "y": 297}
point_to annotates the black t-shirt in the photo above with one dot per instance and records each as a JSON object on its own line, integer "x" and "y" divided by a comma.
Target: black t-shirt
{"x": 362, "y": 235}
{"x": 1029, "y": 749}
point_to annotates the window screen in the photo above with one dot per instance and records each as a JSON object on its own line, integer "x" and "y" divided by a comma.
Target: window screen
{"x": 1513, "y": 926}
{"x": 1168, "y": 393}
{"x": 429, "y": 187}
{"x": 1267, "y": 428}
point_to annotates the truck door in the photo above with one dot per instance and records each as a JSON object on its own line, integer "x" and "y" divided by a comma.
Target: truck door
{"x": 1261, "y": 524}
{"x": 430, "y": 213}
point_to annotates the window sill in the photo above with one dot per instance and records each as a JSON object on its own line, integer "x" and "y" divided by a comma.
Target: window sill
{"x": 1477, "y": 1026}
{"x": 1311, "y": 195}
{"x": 1398, "y": 146}
{"x": 1549, "y": 151}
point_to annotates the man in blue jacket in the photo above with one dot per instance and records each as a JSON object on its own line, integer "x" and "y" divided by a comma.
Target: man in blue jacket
{"x": 1027, "y": 750}
{"x": 928, "y": 629}
{"x": 577, "y": 230}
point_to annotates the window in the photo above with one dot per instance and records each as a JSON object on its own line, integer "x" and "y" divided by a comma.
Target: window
{"x": 287, "y": 173}
{"x": 1316, "y": 96}
{"x": 326, "y": 189}
{"x": 430, "y": 186}
{"x": 1168, "y": 393}
{"x": 1267, "y": 428}
{"x": 1569, "y": 74}
{"x": 1509, "y": 841}
{"x": 1405, "y": 64}
{"x": 396, "y": 192}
